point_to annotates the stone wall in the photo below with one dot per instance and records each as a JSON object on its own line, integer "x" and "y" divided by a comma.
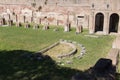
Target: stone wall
{"x": 55, "y": 14}
{"x": 59, "y": 11}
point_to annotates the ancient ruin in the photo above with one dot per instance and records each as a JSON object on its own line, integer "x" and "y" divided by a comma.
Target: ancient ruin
{"x": 95, "y": 15}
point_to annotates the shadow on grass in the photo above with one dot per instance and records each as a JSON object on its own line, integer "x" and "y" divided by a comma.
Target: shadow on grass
{"x": 25, "y": 65}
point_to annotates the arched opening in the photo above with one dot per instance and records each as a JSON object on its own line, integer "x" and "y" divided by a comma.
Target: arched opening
{"x": 99, "y": 21}
{"x": 113, "y": 25}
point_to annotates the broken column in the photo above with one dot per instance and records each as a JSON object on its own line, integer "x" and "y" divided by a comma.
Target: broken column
{"x": 46, "y": 25}
{"x": 1, "y": 22}
{"x": 10, "y": 22}
{"x": 67, "y": 27}
{"x": 79, "y": 29}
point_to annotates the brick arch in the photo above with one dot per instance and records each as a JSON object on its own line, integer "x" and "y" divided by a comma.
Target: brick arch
{"x": 99, "y": 21}
{"x": 113, "y": 22}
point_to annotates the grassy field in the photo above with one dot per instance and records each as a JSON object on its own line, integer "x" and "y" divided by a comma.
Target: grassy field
{"x": 15, "y": 41}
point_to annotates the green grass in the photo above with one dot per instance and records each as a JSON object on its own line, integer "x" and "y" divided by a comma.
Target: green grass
{"x": 12, "y": 38}
{"x": 60, "y": 49}
{"x": 31, "y": 40}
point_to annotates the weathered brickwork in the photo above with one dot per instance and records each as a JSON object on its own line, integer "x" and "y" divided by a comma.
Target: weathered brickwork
{"x": 97, "y": 15}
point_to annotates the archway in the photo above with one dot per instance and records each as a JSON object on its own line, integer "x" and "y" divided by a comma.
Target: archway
{"x": 99, "y": 21}
{"x": 113, "y": 25}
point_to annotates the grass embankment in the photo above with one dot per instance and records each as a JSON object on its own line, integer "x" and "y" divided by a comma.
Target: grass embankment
{"x": 13, "y": 38}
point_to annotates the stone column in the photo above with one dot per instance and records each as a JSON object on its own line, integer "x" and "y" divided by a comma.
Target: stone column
{"x": 1, "y": 22}
{"x": 24, "y": 19}
{"x": 119, "y": 25}
{"x": 16, "y": 17}
{"x": 67, "y": 27}
{"x": 57, "y": 21}
{"x": 40, "y": 21}
{"x": 92, "y": 23}
{"x": 10, "y": 22}
{"x": 106, "y": 23}
{"x": 9, "y": 17}
{"x": 46, "y": 25}
{"x": 31, "y": 19}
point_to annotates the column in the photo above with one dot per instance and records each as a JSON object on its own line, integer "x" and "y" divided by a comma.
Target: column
{"x": 92, "y": 23}
{"x": 16, "y": 17}
{"x": 9, "y": 17}
{"x": 106, "y": 23}
{"x": 119, "y": 25}
{"x": 24, "y": 19}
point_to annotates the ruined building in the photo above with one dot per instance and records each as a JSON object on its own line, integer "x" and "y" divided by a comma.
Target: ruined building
{"x": 99, "y": 16}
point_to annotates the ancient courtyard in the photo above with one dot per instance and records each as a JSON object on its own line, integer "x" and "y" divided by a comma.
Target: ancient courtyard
{"x": 59, "y": 40}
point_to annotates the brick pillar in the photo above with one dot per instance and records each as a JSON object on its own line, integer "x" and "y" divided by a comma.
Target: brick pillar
{"x": 24, "y": 19}
{"x": 40, "y": 21}
{"x": 16, "y": 18}
{"x": 119, "y": 25}
{"x": 9, "y": 17}
{"x": 31, "y": 19}
{"x": 106, "y": 23}
{"x": 92, "y": 23}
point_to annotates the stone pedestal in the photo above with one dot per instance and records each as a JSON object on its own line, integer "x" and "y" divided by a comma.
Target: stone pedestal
{"x": 79, "y": 29}
{"x": 67, "y": 27}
